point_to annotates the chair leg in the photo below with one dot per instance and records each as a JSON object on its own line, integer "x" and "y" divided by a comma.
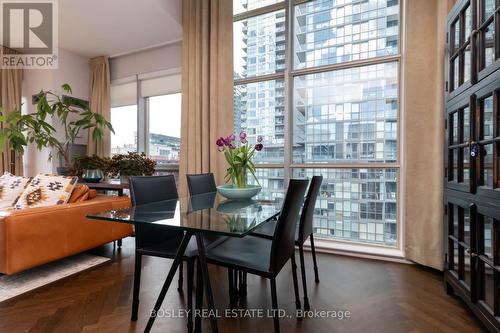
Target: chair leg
{"x": 119, "y": 243}
{"x": 190, "y": 277}
{"x": 303, "y": 273}
{"x": 235, "y": 284}
{"x": 313, "y": 250}
{"x": 199, "y": 298}
{"x": 181, "y": 275}
{"x": 230, "y": 284}
{"x": 274, "y": 298}
{"x": 244, "y": 288}
{"x": 243, "y": 284}
{"x": 137, "y": 286}
{"x": 295, "y": 284}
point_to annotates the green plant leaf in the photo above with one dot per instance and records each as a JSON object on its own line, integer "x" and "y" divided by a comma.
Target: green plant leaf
{"x": 66, "y": 87}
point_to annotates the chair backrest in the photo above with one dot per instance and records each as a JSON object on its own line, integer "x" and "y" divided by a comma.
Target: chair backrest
{"x": 283, "y": 243}
{"x": 201, "y": 183}
{"x": 306, "y": 218}
{"x": 147, "y": 189}
{"x": 150, "y": 189}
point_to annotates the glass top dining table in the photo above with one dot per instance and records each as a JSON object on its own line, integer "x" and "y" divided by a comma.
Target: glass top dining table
{"x": 198, "y": 216}
{"x": 206, "y": 213}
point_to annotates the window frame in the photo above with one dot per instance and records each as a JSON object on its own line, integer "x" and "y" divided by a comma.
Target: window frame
{"x": 288, "y": 166}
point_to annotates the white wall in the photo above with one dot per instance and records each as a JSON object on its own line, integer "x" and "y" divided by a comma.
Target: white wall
{"x": 74, "y": 70}
{"x": 153, "y": 60}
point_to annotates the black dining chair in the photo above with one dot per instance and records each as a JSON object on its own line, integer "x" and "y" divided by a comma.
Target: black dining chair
{"x": 264, "y": 257}
{"x": 201, "y": 183}
{"x": 156, "y": 241}
{"x": 303, "y": 232}
{"x": 203, "y": 187}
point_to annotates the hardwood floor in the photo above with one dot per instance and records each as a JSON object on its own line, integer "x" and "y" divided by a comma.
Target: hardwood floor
{"x": 381, "y": 297}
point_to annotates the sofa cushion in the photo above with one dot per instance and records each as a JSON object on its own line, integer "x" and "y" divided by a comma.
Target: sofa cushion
{"x": 80, "y": 193}
{"x": 46, "y": 190}
{"x": 11, "y": 187}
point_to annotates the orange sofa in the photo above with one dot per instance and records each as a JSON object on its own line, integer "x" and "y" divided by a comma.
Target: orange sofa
{"x": 35, "y": 236}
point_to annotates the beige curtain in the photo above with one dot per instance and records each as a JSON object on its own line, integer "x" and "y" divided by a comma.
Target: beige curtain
{"x": 424, "y": 130}
{"x": 100, "y": 103}
{"x": 10, "y": 99}
{"x": 207, "y": 86}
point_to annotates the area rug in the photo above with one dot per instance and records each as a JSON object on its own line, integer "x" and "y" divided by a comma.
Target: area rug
{"x": 14, "y": 285}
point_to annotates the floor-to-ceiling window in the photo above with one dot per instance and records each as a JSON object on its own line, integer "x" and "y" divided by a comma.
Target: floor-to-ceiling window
{"x": 146, "y": 117}
{"x": 319, "y": 80}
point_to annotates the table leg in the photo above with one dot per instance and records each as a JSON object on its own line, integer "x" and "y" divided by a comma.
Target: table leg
{"x": 199, "y": 298}
{"x": 206, "y": 282}
{"x": 168, "y": 281}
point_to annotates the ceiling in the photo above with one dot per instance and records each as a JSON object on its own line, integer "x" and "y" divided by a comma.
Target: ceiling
{"x": 111, "y": 27}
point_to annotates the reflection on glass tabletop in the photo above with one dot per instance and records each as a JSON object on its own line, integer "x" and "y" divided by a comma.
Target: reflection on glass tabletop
{"x": 208, "y": 213}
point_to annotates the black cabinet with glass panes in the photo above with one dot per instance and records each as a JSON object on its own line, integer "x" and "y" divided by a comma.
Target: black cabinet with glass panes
{"x": 471, "y": 154}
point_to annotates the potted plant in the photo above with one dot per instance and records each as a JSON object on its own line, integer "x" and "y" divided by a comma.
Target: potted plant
{"x": 239, "y": 156}
{"x": 91, "y": 168}
{"x": 74, "y": 118}
{"x": 131, "y": 164}
{"x": 19, "y": 130}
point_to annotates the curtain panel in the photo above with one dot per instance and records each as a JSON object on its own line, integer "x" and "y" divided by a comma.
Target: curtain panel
{"x": 10, "y": 99}
{"x": 424, "y": 130}
{"x": 207, "y": 86}
{"x": 100, "y": 87}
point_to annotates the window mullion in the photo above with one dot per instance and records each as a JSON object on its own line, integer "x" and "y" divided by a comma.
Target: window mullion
{"x": 346, "y": 65}
{"x": 259, "y": 78}
{"x": 141, "y": 120}
{"x": 288, "y": 142}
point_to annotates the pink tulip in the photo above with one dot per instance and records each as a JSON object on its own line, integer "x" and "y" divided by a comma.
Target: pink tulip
{"x": 232, "y": 146}
{"x": 220, "y": 142}
{"x": 259, "y": 146}
{"x": 260, "y": 138}
{"x": 220, "y": 148}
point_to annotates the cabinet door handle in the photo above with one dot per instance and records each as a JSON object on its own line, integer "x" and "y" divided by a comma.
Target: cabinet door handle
{"x": 474, "y": 149}
{"x": 472, "y": 254}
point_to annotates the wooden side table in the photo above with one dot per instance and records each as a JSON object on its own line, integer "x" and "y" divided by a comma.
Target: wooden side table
{"x": 107, "y": 186}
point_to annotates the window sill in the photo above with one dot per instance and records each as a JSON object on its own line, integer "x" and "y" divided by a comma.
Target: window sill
{"x": 358, "y": 250}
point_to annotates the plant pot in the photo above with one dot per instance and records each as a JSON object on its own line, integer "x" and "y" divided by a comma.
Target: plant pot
{"x": 64, "y": 170}
{"x": 92, "y": 175}
{"x": 123, "y": 179}
{"x": 238, "y": 193}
